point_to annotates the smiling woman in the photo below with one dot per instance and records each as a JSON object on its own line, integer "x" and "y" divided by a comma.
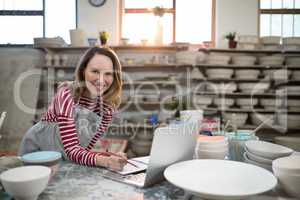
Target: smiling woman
{"x": 81, "y": 112}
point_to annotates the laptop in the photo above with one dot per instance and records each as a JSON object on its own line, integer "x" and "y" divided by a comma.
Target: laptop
{"x": 171, "y": 144}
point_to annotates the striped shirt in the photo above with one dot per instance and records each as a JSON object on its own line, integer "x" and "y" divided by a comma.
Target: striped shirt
{"x": 61, "y": 111}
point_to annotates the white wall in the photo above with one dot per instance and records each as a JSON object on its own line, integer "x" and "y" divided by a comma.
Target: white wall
{"x": 235, "y": 15}
{"x": 231, "y": 15}
{"x": 95, "y": 19}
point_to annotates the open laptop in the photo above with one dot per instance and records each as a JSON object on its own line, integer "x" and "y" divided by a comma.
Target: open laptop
{"x": 171, "y": 144}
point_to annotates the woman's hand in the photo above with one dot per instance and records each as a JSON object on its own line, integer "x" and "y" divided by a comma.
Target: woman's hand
{"x": 114, "y": 163}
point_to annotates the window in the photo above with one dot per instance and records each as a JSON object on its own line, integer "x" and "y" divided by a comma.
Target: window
{"x": 21, "y": 21}
{"x": 181, "y": 21}
{"x": 280, "y": 18}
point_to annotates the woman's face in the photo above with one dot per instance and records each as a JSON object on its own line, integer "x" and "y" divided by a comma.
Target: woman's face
{"x": 98, "y": 75}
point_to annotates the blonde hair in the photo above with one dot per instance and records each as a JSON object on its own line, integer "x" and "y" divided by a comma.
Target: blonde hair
{"x": 112, "y": 95}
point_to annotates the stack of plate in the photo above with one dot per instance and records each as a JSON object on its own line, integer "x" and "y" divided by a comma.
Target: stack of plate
{"x": 187, "y": 57}
{"x": 263, "y": 153}
{"x": 247, "y": 74}
{"x": 287, "y": 170}
{"x": 243, "y": 60}
{"x": 218, "y": 59}
{"x": 219, "y": 73}
{"x": 270, "y": 42}
{"x": 211, "y": 147}
{"x": 291, "y": 43}
{"x": 271, "y": 60}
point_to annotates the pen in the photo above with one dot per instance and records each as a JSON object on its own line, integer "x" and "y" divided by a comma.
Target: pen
{"x": 114, "y": 154}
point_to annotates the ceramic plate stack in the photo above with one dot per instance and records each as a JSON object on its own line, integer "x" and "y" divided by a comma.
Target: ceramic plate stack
{"x": 219, "y": 73}
{"x": 278, "y": 74}
{"x": 218, "y": 59}
{"x": 239, "y": 119}
{"x": 246, "y": 103}
{"x": 248, "y": 74}
{"x": 248, "y": 42}
{"x": 270, "y": 42}
{"x": 293, "y": 61}
{"x": 254, "y": 88}
{"x": 211, "y": 147}
{"x": 187, "y": 57}
{"x": 202, "y": 101}
{"x": 262, "y": 153}
{"x": 291, "y": 43}
{"x": 287, "y": 170}
{"x": 276, "y": 60}
{"x": 49, "y": 42}
{"x": 243, "y": 60}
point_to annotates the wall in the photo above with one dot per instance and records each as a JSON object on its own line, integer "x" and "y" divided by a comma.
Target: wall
{"x": 95, "y": 19}
{"x": 19, "y": 89}
{"x": 235, "y": 15}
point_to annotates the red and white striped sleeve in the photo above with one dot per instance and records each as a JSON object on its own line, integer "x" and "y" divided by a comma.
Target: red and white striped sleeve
{"x": 64, "y": 108}
{"x": 107, "y": 117}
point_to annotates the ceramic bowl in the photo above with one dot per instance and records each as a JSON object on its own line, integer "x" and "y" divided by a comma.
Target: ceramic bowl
{"x": 247, "y": 74}
{"x": 265, "y": 166}
{"x": 267, "y": 149}
{"x": 219, "y": 73}
{"x": 250, "y": 88}
{"x": 291, "y": 142}
{"x": 289, "y": 182}
{"x": 296, "y": 75}
{"x": 243, "y": 60}
{"x": 279, "y": 74}
{"x": 238, "y": 118}
{"x": 247, "y": 103}
{"x": 223, "y": 102}
{"x": 222, "y": 87}
{"x": 27, "y": 182}
{"x": 218, "y": 59}
{"x": 293, "y": 61}
{"x": 291, "y": 40}
{"x": 270, "y": 40}
{"x": 202, "y": 101}
{"x": 289, "y": 164}
{"x": 271, "y": 60}
{"x": 141, "y": 147}
{"x": 45, "y": 158}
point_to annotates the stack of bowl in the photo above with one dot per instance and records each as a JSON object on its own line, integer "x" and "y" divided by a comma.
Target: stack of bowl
{"x": 211, "y": 147}
{"x": 244, "y": 60}
{"x": 271, "y": 60}
{"x": 287, "y": 170}
{"x": 262, "y": 153}
{"x": 219, "y": 73}
{"x": 218, "y": 59}
{"x": 247, "y": 74}
{"x": 270, "y": 42}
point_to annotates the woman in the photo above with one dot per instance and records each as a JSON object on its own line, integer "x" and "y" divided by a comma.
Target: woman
{"x": 80, "y": 112}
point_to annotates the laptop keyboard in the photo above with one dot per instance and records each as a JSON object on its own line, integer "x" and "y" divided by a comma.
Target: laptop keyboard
{"x": 139, "y": 178}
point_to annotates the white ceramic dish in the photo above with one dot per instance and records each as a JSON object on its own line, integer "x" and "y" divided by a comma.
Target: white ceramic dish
{"x": 227, "y": 178}
{"x": 289, "y": 164}
{"x": 250, "y": 88}
{"x": 257, "y": 158}
{"x": 239, "y": 119}
{"x": 247, "y": 102}
{"x": 243, "y": 60}
{"x": 263, "y": 165}
{"x": 219, "y": 73}
{"x": 267, "y": 149}
{"x": 247, "y": 74}
{"x": 25, "y": 183}
{"x": 270, "y": 40}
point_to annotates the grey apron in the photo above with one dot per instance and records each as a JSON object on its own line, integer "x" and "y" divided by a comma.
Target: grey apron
{"x": 45, "y": 136}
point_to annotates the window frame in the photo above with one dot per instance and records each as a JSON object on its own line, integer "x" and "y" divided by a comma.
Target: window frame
{"x": 32, "y": 13}
{"x": 282, "y": 11}
{"x": 172, "y": 10}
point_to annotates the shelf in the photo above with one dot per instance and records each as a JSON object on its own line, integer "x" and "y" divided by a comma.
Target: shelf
{"x": 230, "y": 80}
{"x": 151, "y": 82}
{"x": 120, "y": 48}
{"x": 258, "y": 110}
{"x": 238, "y": 94}
{"x": 208, "y": 50}
{"x": 232, "y": 66}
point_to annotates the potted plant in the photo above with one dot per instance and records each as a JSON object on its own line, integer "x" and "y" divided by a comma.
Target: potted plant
{"x": 231, "y": 40}
{"x": 103, "y": 37}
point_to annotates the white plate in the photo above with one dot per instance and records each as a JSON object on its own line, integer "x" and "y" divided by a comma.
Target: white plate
{"x": 220, "y": 179}
{"x": 267, "y": 149}
{"x": 257, "y": 158}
